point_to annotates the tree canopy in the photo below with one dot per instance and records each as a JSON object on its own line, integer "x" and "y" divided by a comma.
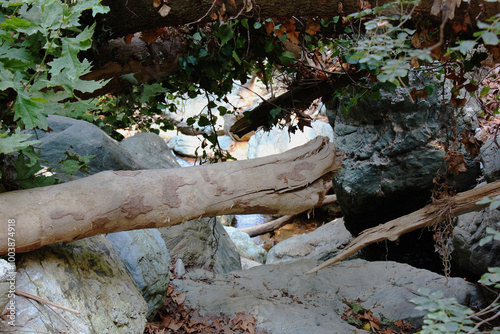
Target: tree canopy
{"x": 114, "y": 62}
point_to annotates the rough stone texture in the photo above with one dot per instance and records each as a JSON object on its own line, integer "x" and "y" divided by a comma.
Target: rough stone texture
{"x": 284, "y": 300}
{"x": 86, "y": 275}
{"x": 245, "y": 245}
{"x": 7, "y": 279}
{"x": 490, "y": 157}
{"x": 321, "y": 244}
{"x": 146, "y": 257}
{"x": 392, "y": 154}
{"x": 83, "y": 138}
{"x": 279, "y": 140}
{"x": 201, "y": 244}
{"x": 468, "y": 256}
{"x": 247, "y": 263}
{"x": 151, "y": 150}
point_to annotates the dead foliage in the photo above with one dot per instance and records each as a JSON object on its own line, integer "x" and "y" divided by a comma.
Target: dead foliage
{"x": 358, "y": 316}
{"x": 176, "y": 317}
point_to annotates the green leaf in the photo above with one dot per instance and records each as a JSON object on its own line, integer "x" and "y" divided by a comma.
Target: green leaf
{"x": 485, "y": 91}
{"x": 225, "y": 33}
{"x": 29, "y": 112}
{"x": 14, "y": 142}
{"x": 257, "y": 25}
{"x": 489, "y": 38}
{"x": 203, "y": 121}
{"x": 287, "y": 57}
{"x": 466, "y": 46}
{"x": 235, "y": 56}
{"x": 275, "y": 111}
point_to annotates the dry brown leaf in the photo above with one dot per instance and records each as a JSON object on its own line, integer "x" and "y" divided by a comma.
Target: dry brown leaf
{"x": 312, "y": 27}
{"x": 244, "y": 322}
{"x": 157, "y": 3}
{"x": 128, "y": 39}
{"x": 269, "y": 27}
{"x": 164, "y": 10}
{"x": 414, "y": 62}
{"x": 179, "y": 298}
{"x": 418, "y": 93}
{"x": 293, "y": 37}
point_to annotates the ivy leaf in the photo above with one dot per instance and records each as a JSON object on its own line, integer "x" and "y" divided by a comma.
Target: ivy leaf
{"x": 203, "y": 121}
{"x": 466, "y": 46}
{"x": 489, "y": 38}
{"x": 287, "y": 57}
{"x": 225, "y": 33}
{"x": 275, "y": 111}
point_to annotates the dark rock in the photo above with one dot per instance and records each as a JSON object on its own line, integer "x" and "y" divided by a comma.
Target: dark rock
{"x": 151, "y": 150}
{"x": 83, "y": 138}
{"x": 468, "y": 256}
{"x": 490, "y": 157}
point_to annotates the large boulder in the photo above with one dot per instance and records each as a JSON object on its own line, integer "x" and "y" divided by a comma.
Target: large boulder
{"x": 146, "y": 257}
{"x": 284, "y": 300}
{"x": 83, "y": 138}
{"x": 150, "y": 150}
{"x": 393, "y": 152}
{"x": 468, "y": 256}
{"x": 87, "y": 276}
{"x": 322, "y": 244}
{"x": 202, "y": 243}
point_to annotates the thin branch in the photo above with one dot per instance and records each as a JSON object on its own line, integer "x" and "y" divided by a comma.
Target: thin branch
{"x": 44, "y": 301}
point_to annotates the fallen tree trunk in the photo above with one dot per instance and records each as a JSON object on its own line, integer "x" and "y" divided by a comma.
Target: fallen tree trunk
{"x": 260, "y": 229}
{"x": 114, "y": 201}
{"x": 428, "y": 216}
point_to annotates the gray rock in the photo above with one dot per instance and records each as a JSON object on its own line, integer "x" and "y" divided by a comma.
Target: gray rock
{"x": 201, "y": 243}
{"x": 7, "y": 287}
{"x": 151, "y": 150}
{"x": 392, "y": 154}
{"x": 87, "y": 276}
{"x": 468, "y": 255}
{"x": 321, "y": 244}
{"x": 490, "y": 157}
{"x": 284, "y": 300}
{"x": 83, "y": 138}
{"x": 247, "y": 263}
{"x": 146, "y": 257}
{"x": 245, "y": 245}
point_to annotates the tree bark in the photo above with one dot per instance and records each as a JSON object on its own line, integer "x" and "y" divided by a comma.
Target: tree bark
{"x": 127, "y": 17}
{"x": 428, "y": 216}
{"x": 114, "y": 201}
{"x": 260, "y": 229}
{"x": 159, "y": 59}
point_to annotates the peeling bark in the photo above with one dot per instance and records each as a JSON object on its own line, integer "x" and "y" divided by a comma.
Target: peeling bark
{"x": 428, "y": 216}
{"x": 118, "y": 201}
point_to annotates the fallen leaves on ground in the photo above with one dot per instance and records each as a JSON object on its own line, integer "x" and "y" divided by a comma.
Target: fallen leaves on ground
{"x": 176, "y": 317}
{"x": 358, "y": 316}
